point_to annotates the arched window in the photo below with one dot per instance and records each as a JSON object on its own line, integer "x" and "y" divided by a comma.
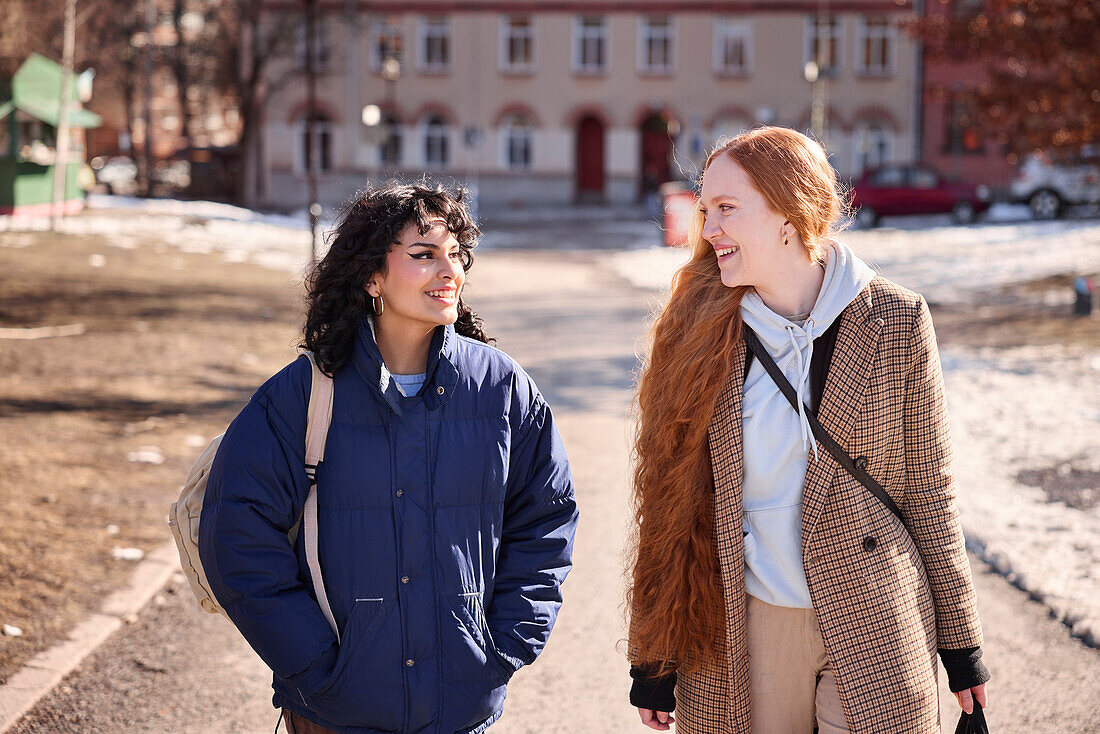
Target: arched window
{"x": 436, "y": 141}
{"x": 322, "y": 131}
{"x": 873, "y": 143}
{"x": 389, "y": 149}
{"x": 516, "y": 133}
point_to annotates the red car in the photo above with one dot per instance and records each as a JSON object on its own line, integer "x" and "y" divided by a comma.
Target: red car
{"x": 915, "y": 190}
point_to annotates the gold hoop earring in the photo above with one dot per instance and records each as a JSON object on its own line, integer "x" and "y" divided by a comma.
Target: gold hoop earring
{"x": 378, "y": 304}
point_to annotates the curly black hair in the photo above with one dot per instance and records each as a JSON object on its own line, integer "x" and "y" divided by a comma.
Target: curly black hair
{"x": 366, "y": 231}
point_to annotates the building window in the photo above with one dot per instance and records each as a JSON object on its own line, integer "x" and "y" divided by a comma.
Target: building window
{"x": 590, "y": 45}
{"x": 387, "y": 42}
{"x": 389, "y": 150}
{"x": 436, "y": 142}
{"x": 732, "y": 47}
{"x": 517, "y": 137}
{"x": 322, "y": 49}
{"x": 656, "y": 47}
{"x": 822, "y": 44}
{"x": 966, "y": 8}
{"x": 873, "y": 144}
{"x": 517, "y": 45}
{"x": 303, "y": 156}
{"x": 876, "y": 41}
{"x": 963, "y": 135}
{"x": 435, "y": 45}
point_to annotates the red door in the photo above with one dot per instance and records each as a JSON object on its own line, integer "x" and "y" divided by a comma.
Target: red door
{"x": 590, "y": 173}
{"x": 656, "y": 153}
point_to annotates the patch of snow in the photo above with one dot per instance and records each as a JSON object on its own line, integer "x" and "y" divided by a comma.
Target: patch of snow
{"x": 1023, "y": 409}
{"x": 12, "y": 631}
{"x": 146, "y": 455}
{"x": 127, "y": 554}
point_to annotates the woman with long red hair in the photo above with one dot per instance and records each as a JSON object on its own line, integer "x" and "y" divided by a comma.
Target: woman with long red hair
{"x": 775, "y": 589}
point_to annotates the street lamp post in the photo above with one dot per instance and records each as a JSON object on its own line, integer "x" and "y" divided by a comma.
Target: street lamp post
{"x": 814, "y": 72}
{"x": 312, "y": 133}
{"x": 391, "y": 72}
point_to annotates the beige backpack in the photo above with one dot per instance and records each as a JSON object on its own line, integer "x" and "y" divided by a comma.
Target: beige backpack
{"x": 184, "y": 515}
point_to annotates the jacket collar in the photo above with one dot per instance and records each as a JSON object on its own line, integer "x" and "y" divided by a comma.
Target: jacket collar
{"x": 441, "y": 375}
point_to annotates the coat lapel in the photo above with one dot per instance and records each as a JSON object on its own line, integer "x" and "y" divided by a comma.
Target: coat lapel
{"x": 845, "y": 386}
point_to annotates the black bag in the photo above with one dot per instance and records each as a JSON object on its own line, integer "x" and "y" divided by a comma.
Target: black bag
{"x": 973, "y": 723}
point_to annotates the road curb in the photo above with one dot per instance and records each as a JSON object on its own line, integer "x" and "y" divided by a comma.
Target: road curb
{"x": 44, "y": 671}
{"x": 1086, "y": 630}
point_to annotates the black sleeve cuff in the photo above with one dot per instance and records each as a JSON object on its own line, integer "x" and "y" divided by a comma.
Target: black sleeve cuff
{"x": 649, "y": 692}
{"x": 965, "y": 668}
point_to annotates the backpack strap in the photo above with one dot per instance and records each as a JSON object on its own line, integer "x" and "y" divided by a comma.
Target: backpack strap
{"x": 317, "y": 424}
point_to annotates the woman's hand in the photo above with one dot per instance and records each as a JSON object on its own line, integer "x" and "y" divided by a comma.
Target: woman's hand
{"x": 966, "y": 698}
{"x": 660, "y": 720}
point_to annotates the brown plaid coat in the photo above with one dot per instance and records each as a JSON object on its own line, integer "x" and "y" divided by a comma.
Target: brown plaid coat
{"x": 885, "y": 600}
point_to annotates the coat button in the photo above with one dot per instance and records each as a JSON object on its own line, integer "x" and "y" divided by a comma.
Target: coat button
{"x": 400, "y": 493}
{"x": 861, "y": 463}
{"x": 404, "y": 579}
{"x": 440, "y": 390}
{"x": 869, "y": 543}
{"x": 409, "y": 663}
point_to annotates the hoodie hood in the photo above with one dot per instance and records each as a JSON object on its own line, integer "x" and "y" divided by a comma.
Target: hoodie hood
{"x": 790, "y": 344}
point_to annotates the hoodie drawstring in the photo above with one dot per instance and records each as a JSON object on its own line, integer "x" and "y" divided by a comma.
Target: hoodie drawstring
{"x": 803, "y": 366}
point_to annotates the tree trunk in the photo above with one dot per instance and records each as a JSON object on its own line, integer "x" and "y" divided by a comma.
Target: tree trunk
{"x": 179, "y": 66}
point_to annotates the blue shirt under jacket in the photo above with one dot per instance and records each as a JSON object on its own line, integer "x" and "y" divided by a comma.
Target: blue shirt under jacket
{"x": 446, "y": 524}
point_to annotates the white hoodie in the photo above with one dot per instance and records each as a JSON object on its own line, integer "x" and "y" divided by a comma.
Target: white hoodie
{"x": 777, "y": 440}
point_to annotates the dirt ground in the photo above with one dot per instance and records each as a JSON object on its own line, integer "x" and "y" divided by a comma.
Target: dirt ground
{"x": 174, "y": 345}
{"x": 1033, "y": 313}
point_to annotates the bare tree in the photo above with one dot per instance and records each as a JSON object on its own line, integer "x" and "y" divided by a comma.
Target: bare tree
{"x": 1042, "y": 72}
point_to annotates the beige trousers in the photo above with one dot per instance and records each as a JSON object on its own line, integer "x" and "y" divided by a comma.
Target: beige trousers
{"x": 791, "y": 677}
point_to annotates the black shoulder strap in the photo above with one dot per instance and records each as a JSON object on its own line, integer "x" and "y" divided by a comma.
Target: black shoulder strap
{"x": 818, "y": 430}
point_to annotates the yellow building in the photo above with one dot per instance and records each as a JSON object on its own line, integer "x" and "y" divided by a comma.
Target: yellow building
{"x": 584, "y": 100}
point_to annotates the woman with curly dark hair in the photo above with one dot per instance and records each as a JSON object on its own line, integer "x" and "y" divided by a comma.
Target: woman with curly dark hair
{"x": 444, "y": 502}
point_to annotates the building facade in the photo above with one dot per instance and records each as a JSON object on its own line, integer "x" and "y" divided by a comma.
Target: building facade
{"x": 953, "y": 141}
{"x": 572, "y": 101}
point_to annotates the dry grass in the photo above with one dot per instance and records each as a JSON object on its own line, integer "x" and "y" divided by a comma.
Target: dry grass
{"x": 175, "y": 344}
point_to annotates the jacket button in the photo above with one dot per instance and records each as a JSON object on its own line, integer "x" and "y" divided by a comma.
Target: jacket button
{"x": 409, "y": 663}
{"x": 404, "y": 579}
{"x": 869, "y": 543}
{"x": 861, "y": 463}
{"x": 440, "y": 390}
{"x": 400, "y": 493}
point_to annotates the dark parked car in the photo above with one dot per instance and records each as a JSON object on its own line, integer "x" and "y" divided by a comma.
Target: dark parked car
{"x": 915, "y": 190}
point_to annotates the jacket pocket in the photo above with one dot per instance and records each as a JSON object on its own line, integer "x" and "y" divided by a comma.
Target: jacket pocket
{"x": 365, "y": 687}
{"x": 475, "y": 672}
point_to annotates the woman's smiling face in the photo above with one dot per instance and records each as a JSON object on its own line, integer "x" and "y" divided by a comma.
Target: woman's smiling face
{"x": 422, "y": 279}
{"x": 745, "y": 232}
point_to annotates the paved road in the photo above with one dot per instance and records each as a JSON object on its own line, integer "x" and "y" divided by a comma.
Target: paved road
{"x": 575, "y": 327}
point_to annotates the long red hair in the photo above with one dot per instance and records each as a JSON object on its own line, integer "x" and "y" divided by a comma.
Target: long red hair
{"x": 676, "y": 599}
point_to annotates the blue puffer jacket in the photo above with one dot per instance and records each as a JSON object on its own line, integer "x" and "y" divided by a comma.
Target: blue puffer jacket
{"x": 446, "y": 529}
